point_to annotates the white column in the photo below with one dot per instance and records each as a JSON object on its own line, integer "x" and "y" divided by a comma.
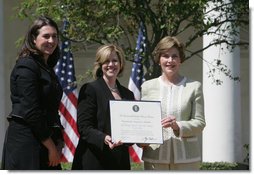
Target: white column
{"x": 2, "y": 81}
{"x": 222, "y": 135}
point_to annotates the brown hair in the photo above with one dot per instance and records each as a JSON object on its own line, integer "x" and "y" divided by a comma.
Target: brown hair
{"x": 29, "y": 47}
{"x": 165, "y": 44}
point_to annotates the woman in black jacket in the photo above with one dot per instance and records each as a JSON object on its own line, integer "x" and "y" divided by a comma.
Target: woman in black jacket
{"x": 96, "y": 150}
{"x": 34, "y": 131}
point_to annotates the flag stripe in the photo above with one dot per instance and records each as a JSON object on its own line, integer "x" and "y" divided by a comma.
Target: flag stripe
{"x": 136, "y": 157}
{"x": 68, "y": 117}
{"x": 70, "y": 131}
{"x": 73, "y": 98}
{"x": 134, "y": 89}
{"x": 69, "y": 143}
{"x": 68, "y": 108}
{"x": 136, "y": 79}
{"x": 63, "y": 158}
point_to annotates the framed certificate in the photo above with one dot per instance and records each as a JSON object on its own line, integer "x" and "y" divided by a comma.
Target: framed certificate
{"x": 136, "y": 121}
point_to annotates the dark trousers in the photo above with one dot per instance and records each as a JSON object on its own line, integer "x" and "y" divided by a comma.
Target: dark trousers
{"x": 22, "y": 151}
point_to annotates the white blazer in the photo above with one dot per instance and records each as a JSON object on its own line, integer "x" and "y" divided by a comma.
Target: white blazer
{"x": 185, "y": 101}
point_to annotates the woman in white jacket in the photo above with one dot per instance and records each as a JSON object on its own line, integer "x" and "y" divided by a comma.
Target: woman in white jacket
{"x": 182, "y": 112}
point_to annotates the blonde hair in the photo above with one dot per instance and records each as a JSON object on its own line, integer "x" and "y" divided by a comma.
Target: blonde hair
{"x": 102, "y": 55}
{"x": 165, "y": 44}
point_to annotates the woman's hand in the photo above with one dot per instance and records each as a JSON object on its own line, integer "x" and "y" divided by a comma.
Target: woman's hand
{"x": 108, "y": 141}
{"x": 170, "y": 121}
{"x": 54, "y": 157}
{"x": 53, "y": 153}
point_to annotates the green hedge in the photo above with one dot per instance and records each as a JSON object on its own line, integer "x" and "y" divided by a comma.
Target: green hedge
{"x": 206, "y": 166}
{"x": 223, "y": 166}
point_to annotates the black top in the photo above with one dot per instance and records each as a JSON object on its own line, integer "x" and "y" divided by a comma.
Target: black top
{"x": 93, "y": 119}
{"x": 35, "y": 95}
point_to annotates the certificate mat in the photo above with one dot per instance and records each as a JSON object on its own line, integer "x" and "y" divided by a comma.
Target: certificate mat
{"x": 136, "y": 121}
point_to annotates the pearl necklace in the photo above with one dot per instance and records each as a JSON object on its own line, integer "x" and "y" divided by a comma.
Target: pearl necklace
{"x": 113, "y": 89}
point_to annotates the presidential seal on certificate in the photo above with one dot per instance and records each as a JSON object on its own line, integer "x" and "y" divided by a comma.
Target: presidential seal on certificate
{"x": 136, "y": 121}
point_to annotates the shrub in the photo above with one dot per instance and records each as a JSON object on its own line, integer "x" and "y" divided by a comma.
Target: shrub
{"x": 223, "y": 166}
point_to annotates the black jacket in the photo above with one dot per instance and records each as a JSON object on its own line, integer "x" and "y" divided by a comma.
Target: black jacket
{"x": 35, "y": 95}
{"x": 93, "y": 119}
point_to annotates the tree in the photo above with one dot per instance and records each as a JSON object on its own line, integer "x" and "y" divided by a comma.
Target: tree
{"x": 117, "y": 21}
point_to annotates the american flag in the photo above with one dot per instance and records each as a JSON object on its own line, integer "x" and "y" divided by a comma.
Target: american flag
{"x": 68, "y": 107}
{"x": 136, "y": 79}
